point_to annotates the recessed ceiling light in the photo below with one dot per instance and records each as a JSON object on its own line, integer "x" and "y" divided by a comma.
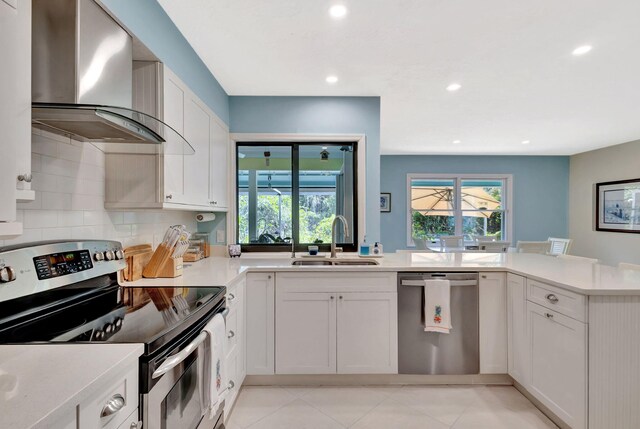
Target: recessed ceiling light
{"x": 526, "y": 141}
{"x": 581, "y": 50}
{"x": 338, "y": 11}
{"x": 457, "y": 142}
{"x": 332, "y": 79}
{"x": 453, "y": 87}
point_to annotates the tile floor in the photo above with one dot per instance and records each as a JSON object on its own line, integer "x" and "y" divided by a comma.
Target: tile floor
{"x": 385, "y": 407}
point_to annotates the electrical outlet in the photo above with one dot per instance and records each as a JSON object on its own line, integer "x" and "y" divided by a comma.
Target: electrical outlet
{"x": 220, "y": 236}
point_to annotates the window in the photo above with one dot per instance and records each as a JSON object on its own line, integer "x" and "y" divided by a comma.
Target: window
{"x": 294, "y": 191}
{"x": 467, "y": 205}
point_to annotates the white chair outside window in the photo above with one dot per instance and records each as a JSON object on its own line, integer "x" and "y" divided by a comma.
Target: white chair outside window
{"x": 421, "y": 245}
{"x": 559, "y": 246}
{"x": 494, "y": 246}
{"x": 628, "y": 266}
{"x": 484, "y": 238}
{"x": 541, "y": 247}
{"x": 451, "y": 241}
{"x": 578, "y": 258}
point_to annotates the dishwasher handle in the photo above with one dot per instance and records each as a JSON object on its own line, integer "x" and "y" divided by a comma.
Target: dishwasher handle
{"x": 454, "y": 283}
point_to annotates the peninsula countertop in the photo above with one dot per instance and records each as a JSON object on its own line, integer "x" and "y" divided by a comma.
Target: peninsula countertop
{"x": 577, "y": 276}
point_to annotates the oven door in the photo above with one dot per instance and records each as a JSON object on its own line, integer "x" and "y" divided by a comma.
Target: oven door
{"x": 176, "y": 400}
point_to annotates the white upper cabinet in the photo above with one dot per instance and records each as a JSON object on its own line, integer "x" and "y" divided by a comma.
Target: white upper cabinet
{"x": 178, "y": 178}
{"x": 15, "y": 111}
{"x": 219, "y": 165}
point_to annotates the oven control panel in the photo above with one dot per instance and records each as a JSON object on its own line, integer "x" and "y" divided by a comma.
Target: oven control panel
{"x": 60, "y": 264}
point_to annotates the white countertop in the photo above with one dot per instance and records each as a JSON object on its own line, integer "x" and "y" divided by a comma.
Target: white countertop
{"x": 38, "y": 381}
{"x": 581, "y": 277}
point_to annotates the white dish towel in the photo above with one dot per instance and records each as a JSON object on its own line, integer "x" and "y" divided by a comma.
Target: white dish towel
{"x": 437, "y": 306}
{"x": 215, "y": 385}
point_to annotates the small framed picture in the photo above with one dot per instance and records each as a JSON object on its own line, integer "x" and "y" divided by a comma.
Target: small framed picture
{"x": 618, "y": 206}
{"x": 385, "y": 202}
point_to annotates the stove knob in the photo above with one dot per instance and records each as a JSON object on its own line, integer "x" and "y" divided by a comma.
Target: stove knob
{"x": 7, "y": 274}
{"x": 98, "y": 335}
{"x": 98, "y": 256}
{"x": 109, "y": 255}
{"x": 118, "y": 323}
{"x": 108, "y": 328}
{"x": 119, "y": 254}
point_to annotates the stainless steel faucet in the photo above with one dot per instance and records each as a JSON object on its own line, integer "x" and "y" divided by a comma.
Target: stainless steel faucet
{"x": 345, "y": 230}
{"x": 293, "y": 249}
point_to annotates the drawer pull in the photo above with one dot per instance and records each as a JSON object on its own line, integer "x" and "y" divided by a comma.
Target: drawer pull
{"x": 231, "y": 385}
{"x": 136, "y": 425}
{"x": 231, "y": 297}
{"x": 552, "y": 298}
{"x": 549, "y": 315}
{"x": 231, "y": 334}
{"x": 113, "y": 405}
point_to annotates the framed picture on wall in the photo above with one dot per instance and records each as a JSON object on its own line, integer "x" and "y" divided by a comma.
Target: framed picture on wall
{"x": 385, "y": 202}
{"x": 618, "y": 206}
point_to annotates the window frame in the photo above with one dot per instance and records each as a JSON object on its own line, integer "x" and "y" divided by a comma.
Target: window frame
{"x": 507, "y": 199}
{"x": 295, "y": 195}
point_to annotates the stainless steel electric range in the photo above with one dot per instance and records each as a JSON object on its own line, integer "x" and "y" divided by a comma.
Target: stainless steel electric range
{"x": 68, "y": 291}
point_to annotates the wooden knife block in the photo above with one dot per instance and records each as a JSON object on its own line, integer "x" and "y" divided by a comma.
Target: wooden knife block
{"x": 171, "y": 268}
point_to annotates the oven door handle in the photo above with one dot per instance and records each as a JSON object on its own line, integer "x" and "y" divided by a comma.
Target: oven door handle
{"x": 177, "y": 359}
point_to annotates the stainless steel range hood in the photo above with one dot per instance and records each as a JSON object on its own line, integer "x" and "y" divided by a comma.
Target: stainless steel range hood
{"x": 82, "y": 74}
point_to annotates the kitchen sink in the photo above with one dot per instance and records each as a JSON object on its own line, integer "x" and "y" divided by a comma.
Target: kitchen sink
{"x": 335, "y": 262}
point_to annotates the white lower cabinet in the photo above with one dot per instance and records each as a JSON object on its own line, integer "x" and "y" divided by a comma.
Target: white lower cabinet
{"x": 518, "y": 349}
{"x": 236, "y": 346}
{"x": 493, "y": 323}
{"x": 306, "y": 333}
{"x": 333, "y": 324}
{"x": 260, "y": 323}
{"x": 558, "y": 357}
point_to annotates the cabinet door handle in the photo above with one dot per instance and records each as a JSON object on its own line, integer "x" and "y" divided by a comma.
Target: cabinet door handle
{"x": 331, "y": 297}
{"x": 231, "y": 334}
{"x": 549, "y": 315}
{"x": 26, "y": 177}
{"x": 552, "y": 298}
{"x": 231, "y": 385}
{"x": 169, "y": 197}
{"x": 340, "y": 297}
{"x": 484, "y": 276}
{"x": 269, "y": 277}
{"x": 113, "y": 405}
{"x": 136, "y": 425}
{"x": 231, "y": 297}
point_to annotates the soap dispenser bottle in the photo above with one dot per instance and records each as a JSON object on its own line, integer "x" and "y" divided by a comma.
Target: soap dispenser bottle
{"x": 364, "y": 247}
{"x": 377, "y": 249}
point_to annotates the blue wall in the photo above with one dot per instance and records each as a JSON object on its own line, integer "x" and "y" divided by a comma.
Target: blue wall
{"x": 540, "y": 191}
{"x": 314, "y": 115}
{"x": 149, "y": 22}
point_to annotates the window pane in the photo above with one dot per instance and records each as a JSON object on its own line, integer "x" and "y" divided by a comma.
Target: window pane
{"x": 326, "y": 190}
{"x": 432, "y": 194}
{"x": 430, "y": 225}
{"x": 264, "y": 194}
{"x": 482, "y": 194}
{"x": 483, "y": 223}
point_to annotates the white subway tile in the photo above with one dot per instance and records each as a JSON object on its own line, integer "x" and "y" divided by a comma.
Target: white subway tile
{"x": 92, "y": 155}
{"x": 56, "y": 201}
{"x": 44, "y": 145}
{"x": 142, "y": 229}
{"x": 86, "y": 202}
{"x": 116, "y": 218}
{"x": 59, "y": 167}
{"x": 141, "y": 217}
{"x": 95, "y": 217}
{"x": 20, "y": 216}
{"x": 122, "y": 230}
{"x": 44, "y": 182}
{"x": 56, "y": 233}
{"x": 69, "y": 152}
{"x": 70, "y": 218}
{"x": 87, "y": 232}
{"x": 40, "y": 219}
{"x": 36, "y": 162}
{"x": 27, "y": 236}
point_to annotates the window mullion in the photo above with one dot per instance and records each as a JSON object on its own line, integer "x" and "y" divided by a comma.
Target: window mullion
{"x": 458, "y": 208}
{"x": 295, "y": 193}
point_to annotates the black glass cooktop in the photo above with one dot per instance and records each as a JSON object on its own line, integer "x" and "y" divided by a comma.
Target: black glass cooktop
{"x": 101, "y": 311}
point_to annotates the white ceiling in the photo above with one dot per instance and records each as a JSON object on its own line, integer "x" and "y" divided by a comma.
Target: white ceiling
{"x": 512, "y": 57}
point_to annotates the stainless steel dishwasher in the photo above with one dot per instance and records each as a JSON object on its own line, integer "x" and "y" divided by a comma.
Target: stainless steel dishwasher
{"x": 421, "y": 352}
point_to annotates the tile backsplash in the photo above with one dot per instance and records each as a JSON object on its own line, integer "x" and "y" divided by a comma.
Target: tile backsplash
{"x": 69, "y": 182}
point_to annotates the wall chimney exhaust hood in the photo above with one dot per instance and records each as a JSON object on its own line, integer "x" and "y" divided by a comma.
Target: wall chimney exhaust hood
{"x": 82, "y": 74}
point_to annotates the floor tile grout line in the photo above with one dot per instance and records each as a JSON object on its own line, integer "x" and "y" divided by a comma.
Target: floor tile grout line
{"x": 316, "y": 408}
{"x": 275, "y": 411}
